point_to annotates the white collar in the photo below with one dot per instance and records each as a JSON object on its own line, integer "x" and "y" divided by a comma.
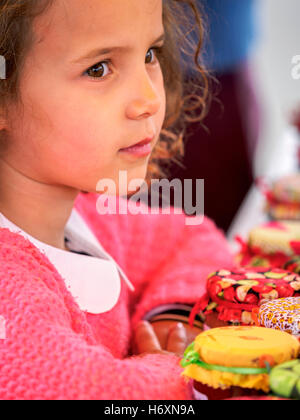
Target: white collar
{"x": 93, "y": 282}
{"x": 78, "y": 231}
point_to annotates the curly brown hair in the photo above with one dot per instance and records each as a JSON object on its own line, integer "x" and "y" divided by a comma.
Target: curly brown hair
{"x": 187, "y": 98}
{"x": 180, "y": 18}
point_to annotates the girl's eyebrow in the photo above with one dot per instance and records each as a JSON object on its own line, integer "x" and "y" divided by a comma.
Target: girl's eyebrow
{"x": 98, "y": 52}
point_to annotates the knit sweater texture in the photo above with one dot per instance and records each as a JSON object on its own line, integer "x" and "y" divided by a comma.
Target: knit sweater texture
{"x": 55, "y": 351}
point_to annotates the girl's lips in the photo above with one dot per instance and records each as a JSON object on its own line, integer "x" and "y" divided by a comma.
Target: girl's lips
{"x": 143, "y": 148}
{"x": 138, "y": 150}
{"x": 141, "y": 143}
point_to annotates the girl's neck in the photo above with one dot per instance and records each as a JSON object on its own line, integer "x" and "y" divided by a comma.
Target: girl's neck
{"x": 39, "y": 209}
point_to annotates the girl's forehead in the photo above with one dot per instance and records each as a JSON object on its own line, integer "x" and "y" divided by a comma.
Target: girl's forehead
{"x": 77, "y": 22}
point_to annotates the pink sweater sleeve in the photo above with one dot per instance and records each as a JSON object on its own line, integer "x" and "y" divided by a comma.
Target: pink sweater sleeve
{"x": 50, "y": 352}
{"x": 166, "y": 259}
{"x": 191, "y": 253}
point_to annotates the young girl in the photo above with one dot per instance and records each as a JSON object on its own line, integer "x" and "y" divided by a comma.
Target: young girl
{"x": 85, "y": 81}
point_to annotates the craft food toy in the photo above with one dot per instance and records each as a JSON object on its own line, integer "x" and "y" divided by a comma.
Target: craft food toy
{"x": 237, "y": 357}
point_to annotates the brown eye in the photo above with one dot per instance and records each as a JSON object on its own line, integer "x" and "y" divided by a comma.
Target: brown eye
{"x": 98, "y": 70}
{"x": 150, "y": 56}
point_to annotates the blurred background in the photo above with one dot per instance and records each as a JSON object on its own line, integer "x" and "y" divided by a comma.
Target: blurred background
{"x": 248, "y": 133}
{"x": 278, "y": 92}
{"x": 278, "y": 23}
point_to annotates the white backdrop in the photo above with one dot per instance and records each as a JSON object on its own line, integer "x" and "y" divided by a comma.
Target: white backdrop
{"x": 279, "y": 42}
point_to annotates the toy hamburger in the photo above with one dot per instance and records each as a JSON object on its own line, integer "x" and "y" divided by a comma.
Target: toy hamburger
{"x": 271, "y": 244}
{"x": 283, "y": 198}
{"x": 236, "y": 359}
{"x": 281, "y": 314}
{"x": 233, "y": 295}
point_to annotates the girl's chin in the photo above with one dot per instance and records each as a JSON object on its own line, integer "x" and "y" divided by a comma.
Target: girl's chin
{"x": 124, "y": 183}
{"x": 125, "y": 190}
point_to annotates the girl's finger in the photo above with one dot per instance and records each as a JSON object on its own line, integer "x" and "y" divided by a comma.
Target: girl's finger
{"x": 177, "y": 339}
{"x": 145, "y": 338}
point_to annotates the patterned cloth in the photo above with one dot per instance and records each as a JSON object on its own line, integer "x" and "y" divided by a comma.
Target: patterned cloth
{"x": 281, "y": 314}
{"x": 235, "y": 294}
{"x": 282, "y": 198}
{"x": 270, "y": 244}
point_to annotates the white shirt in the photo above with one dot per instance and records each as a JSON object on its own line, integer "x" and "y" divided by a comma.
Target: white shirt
{"x": 93, "y": 280}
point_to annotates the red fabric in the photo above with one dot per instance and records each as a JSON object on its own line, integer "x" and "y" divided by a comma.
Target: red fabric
{"x": 252, "y": 256}
{"x": 53, "y": 350}
{"x": 273, "y": 201}
{"x": 236, "y": 293}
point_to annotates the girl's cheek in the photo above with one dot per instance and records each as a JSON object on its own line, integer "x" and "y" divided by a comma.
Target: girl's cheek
{"x": 80, "y": 132}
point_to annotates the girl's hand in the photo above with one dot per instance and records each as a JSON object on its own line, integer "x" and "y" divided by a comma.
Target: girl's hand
{"x": 163, "y": 337}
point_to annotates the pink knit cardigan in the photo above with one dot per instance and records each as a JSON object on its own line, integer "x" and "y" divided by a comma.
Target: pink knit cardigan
{"x": 53, "y": 350}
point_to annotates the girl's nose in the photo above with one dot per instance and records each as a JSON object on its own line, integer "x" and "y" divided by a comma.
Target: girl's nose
{"x": 146, "y": 100}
